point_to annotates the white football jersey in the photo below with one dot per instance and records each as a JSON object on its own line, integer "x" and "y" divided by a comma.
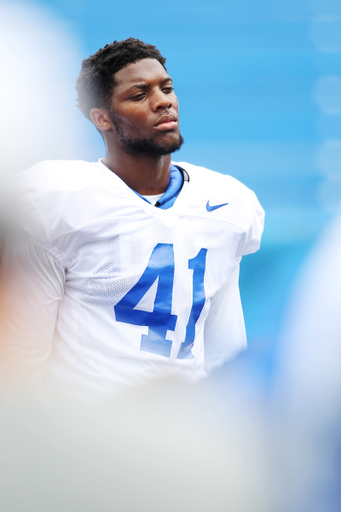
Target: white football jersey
{"x": 145, "y": 291}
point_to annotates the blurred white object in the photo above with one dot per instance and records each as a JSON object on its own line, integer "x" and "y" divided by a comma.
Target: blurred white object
{"x": 309, "y": 383}
{"x": 312, "y": 352}
{"x": 163, "y": 448}
{"x": 326, "y": 33}
{"x": 327, "y": 94}
{"x": 328, "y": 163}
{"x": 39, "y": 61}
{"x": 328, "y": 159}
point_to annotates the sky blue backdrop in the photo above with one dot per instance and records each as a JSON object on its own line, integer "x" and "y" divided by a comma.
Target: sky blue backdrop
{"x": 244, "y": 73}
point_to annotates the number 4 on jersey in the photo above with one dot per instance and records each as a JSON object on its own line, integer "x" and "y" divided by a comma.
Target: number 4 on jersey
{"x": 161, "y": 267}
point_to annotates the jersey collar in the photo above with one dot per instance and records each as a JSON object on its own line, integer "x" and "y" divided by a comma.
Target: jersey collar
{"x": 177, "y": 178}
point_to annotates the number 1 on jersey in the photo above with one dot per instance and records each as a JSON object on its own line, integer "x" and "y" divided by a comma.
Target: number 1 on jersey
{"x": 198, "y": 265}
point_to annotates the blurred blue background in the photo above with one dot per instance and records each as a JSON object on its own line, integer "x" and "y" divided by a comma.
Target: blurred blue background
{"x": 259, "y": 85}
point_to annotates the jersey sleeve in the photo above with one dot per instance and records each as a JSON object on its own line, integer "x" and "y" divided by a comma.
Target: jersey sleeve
{"x": 32, "y": 282}
{"x": 224, "y": 334}
{"x": 255, "y": 225}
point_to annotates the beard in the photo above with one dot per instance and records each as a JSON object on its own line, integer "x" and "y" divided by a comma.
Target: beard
{"x": 136, "y": 146}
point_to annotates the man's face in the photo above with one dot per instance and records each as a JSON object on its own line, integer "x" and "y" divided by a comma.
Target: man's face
{"x": 144, "y": 109}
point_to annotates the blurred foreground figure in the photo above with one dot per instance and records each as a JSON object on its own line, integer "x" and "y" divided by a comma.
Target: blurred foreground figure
{"x": 170, "y": 447}
{"x": 309, "y": 386}
{"x": 37, "y": 61}
{"x": 128, "y": 267}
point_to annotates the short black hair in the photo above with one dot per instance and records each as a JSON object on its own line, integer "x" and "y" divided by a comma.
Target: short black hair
{"x": 97, "y": 76}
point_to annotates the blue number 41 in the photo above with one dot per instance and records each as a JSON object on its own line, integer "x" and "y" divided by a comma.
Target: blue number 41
{"x": 161, "y": 320}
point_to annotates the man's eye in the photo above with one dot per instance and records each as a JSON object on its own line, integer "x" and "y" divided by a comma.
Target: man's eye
{"x": 168, "y": 90}
{"x": 139, "y": 96}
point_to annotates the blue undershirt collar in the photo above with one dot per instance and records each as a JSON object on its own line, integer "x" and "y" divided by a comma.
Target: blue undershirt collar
{"x": 172, "y": 192}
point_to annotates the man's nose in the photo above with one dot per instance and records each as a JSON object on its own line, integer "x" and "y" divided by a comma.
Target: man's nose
{"x": 161, "y": 101}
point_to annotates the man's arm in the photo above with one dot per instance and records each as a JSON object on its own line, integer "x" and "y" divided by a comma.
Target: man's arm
{"x": 224, "y": 328}
{"x": 32, "y": 283}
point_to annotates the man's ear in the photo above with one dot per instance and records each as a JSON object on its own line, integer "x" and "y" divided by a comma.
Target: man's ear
{"x": 101, "y": 119}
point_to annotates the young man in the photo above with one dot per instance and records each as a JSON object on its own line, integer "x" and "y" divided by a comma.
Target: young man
{"x": 128, "y": 268}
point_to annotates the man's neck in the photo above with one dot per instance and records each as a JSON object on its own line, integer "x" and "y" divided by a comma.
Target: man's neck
{"x": 146, "y": 174}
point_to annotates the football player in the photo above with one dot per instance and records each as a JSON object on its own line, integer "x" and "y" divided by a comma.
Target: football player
{"x": 128, "y": 267}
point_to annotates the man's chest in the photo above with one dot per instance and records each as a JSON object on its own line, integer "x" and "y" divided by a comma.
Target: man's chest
{"x": 148, "y": 281}
{"x": 111, "y": 256}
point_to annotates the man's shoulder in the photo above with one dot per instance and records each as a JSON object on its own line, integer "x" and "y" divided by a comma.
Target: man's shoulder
{"x": 209, "y": 180}
{"x": 53, "y": 197}
{"x": 57, "y": 175}
{"x": 212, "y": 191}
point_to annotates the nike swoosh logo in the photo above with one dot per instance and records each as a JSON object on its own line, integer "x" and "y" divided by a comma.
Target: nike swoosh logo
{"x": 210, "y": 208}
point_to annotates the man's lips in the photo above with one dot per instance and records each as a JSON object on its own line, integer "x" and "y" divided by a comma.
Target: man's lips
{"x": 166, "y": 122}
